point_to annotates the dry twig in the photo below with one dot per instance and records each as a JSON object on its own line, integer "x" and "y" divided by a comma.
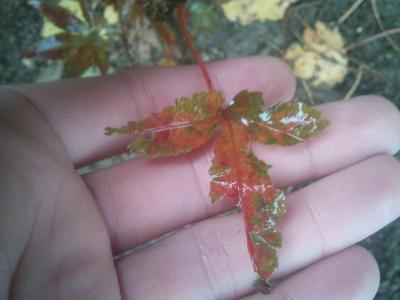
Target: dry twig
{"x": 355, "y": 85}
{"x": 380, "y": 23}
{"x": 370, "y": 39}
{"x": 308, "y": 92}
{"x": 350, "y": 11}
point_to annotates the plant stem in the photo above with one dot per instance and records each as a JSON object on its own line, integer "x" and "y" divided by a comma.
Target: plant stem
{"x": 350, "y": 11}
{"x": 378, "y": 19}
{"x": 182, "y": 15}
{"x": 383, "y": 34}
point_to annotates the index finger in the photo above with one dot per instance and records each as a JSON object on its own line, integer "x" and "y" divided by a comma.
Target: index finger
{"x": 80, "y": 109}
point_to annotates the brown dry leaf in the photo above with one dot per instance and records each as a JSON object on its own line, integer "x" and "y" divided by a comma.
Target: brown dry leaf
{"x": 321, "y": 58}
{"x": 249, "y": 11}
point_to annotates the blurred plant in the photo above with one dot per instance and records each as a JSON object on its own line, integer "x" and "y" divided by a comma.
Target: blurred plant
{"x": 80, "y": 43}
{"x": 98, "y": 32}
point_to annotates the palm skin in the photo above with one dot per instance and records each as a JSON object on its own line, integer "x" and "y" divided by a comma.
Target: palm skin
{"x": 60, "y": 232}
{"x": 53, "y": 236}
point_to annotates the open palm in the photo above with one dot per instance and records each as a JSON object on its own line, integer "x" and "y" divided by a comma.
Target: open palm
{"x": 60, "y": 232}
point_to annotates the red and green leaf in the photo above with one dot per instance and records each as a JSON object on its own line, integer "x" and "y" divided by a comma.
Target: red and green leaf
{"x": 236, "y": 172}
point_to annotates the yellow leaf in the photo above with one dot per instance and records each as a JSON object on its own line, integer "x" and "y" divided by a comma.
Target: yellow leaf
{"x": 321, "y": 57}
{"x": 249, "y": 11}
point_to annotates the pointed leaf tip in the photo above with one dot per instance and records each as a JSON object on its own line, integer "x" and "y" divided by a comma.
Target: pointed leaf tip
{"x": 288, "y": 123}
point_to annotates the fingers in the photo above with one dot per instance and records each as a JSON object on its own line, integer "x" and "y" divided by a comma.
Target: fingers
{"x": 350, "y": 274}
{"x": 209, "y": 260}
{"x": 173, "y": 192}
{"x": 79, "y": 110}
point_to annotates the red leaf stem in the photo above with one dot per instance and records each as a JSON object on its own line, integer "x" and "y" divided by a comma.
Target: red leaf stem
{"x": 182, "y": 15}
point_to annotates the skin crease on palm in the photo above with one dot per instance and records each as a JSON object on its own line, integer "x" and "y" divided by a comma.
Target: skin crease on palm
{"x": 59, "y": 231}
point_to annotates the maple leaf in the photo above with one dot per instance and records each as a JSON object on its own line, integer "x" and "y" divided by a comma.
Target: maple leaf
{"x": 79, "y": 43}
{"x": 236, "y": 172}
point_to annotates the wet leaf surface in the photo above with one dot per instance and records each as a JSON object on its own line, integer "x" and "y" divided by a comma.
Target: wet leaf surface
{"x": 236, "y": 172}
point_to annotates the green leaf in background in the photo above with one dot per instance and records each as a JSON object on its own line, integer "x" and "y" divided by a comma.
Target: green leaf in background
{"x": 79, "y": 44}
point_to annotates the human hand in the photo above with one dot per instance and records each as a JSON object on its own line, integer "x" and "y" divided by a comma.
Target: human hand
{"x": 59, "y": 231}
